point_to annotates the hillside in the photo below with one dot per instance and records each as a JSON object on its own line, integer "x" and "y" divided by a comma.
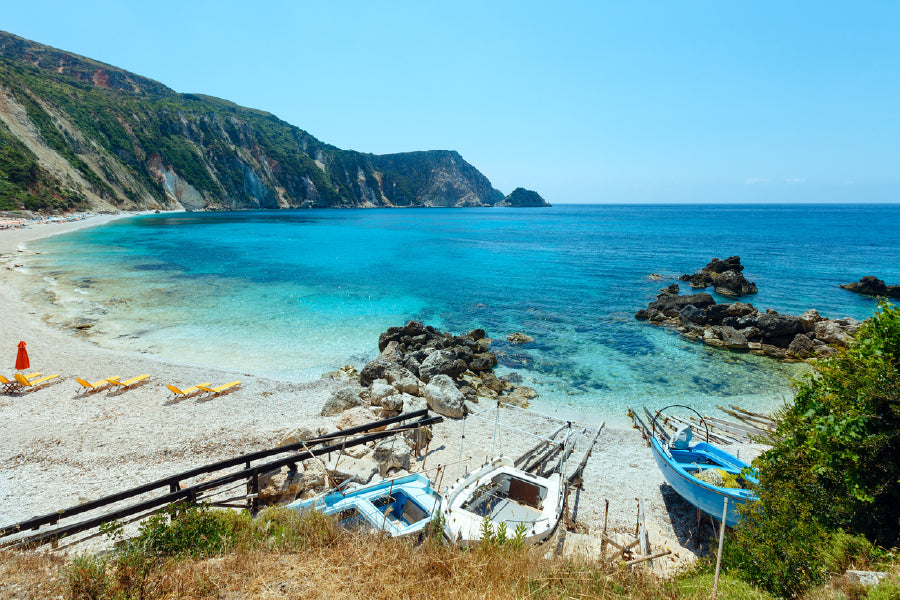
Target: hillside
{"x": 78, "y": 134}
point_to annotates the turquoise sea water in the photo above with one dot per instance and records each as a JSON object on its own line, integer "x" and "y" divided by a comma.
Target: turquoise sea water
{"x": 298, "y": 293}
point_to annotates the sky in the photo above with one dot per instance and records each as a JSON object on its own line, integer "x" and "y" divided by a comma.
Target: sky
{"x": 584, "y": 102}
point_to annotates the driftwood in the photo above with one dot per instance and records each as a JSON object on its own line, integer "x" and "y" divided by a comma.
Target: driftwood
{"x": 762, "y": 423}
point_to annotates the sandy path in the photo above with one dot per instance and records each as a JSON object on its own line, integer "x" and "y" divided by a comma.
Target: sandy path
{"x": 60, "y": 448}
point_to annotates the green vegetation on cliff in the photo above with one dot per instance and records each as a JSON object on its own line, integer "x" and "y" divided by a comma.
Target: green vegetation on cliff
{"x": 93, "y": 135}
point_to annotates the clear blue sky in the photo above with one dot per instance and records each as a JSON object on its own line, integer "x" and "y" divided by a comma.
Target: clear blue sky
{"x": 787, "y": 101}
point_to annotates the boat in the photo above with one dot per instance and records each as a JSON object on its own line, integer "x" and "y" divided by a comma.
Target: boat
{"x": 505, "y": 495}
{"x": 399, "y": 507}
{"x": 682, "y": 462}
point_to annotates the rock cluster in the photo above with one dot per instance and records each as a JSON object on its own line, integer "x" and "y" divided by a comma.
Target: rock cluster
{"x": 740, "y": 326}
{"x": 872, "y": 286}
{"x": 420, "y": 366}
{"x": 724, "y": 276}
{"x": 362, "y": 464}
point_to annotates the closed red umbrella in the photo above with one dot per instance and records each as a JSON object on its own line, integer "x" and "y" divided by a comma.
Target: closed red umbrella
{"x": 22, "y": 358}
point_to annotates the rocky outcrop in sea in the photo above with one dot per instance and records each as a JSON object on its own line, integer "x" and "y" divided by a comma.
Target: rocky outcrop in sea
{"x": 740, "y": 326}
{"x": 872, "y": 286}
{"x": 725, "y": 276}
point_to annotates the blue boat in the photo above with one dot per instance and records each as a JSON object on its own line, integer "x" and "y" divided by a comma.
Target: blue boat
{"x": 680, "y": 462}
{"x": 399, "y": 507}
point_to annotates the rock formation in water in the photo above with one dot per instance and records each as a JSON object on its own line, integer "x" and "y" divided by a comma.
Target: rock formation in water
{"x": 78, "y": 134}
{"x": 872, "y": 286}
{"x": 740, "y": 326}
{"x": 523, "y": 198}
{"x": 724, "y": 275}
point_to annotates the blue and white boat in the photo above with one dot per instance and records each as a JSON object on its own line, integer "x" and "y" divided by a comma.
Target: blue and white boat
{"x": 505, "y": 496}
{"x": 399, "y": 507}
{"x": 681, "y": 462}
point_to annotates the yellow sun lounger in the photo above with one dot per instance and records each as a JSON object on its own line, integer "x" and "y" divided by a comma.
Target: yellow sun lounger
{"x": 218, "y": 391}
{"x": 130, "y": 383}
{"x": 33, "y": 384}
{"x": 90, "y": 388}
{"x": 11, "y": 384}
{"x": 187, "y": 392}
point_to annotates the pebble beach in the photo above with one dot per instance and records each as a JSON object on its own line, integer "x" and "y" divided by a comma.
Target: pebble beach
{"x": 61, "y": 447}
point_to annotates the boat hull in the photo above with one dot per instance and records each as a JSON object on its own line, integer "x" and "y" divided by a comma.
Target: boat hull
{"x": 506, "y": 496}
{"x": 677, "y": 466}
{"x": 400, "y": 507}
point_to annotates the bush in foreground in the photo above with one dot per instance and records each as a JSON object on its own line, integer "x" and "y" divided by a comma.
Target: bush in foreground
{"x": 829, "y": 488}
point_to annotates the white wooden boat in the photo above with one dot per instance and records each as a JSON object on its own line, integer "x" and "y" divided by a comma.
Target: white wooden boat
{"x": 505, "y": 495}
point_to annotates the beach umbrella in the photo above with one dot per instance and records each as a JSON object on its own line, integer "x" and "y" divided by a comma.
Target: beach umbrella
{"x": 22, "y": 358}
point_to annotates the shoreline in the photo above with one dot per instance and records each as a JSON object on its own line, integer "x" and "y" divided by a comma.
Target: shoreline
{"x": 62, "y": 448}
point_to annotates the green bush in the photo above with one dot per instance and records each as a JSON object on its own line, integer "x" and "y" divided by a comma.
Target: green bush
{"x": 182, "y": 531}
{"x": 832, "y": 475}
{"x": 87, "y": 578}
{"x": 887, "y": 589}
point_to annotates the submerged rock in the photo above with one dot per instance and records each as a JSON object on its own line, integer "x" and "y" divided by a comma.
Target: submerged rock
{"x": 519, "y": 338}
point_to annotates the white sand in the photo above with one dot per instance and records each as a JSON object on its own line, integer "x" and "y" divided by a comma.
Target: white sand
{"x": 60, "y": 448}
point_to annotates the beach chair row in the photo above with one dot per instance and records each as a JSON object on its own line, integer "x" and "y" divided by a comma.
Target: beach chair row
{"x": 33, "y": 381}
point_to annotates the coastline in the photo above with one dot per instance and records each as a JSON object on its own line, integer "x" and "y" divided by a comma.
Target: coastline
{"x": 62, "y": 448}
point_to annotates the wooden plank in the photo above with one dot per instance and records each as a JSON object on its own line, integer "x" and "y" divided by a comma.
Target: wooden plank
{"x": 643, "y": 534}
{"x": 753, "y": 414}
{"x": 190, "y": 493}
{"x": 529, "y": 453}
{"x": 732, "y": 426}
{"x": 173, "y": 480}
{"x": 713, "y": 437}
{"x": 576, "y": 474}
{"x": 646, "y": 558}
{"x": 746, "y": 431}
{"x": 764, "y": 424}
{"x": 636, "y": 421}
{"x": 733, "y": 437}
{"x": 655, "y": 425}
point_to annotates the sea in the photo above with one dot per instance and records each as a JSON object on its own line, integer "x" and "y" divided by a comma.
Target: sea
{"x": 294, "y": 294}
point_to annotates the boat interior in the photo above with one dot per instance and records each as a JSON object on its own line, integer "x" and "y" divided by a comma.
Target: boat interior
{"x": 398, "y": 506}
{"x": 508, "y": 498}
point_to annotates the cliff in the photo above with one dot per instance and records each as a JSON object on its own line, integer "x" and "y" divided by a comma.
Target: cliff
{"x": 80, "y": 134}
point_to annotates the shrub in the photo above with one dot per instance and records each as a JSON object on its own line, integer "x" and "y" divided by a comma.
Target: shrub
{"x": 87, "y": 578}
{"x": 832, "y": 474}
{"x": 182, "y": 531}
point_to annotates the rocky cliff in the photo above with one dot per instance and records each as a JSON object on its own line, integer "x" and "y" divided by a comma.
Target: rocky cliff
{"x": 79, "y": 134}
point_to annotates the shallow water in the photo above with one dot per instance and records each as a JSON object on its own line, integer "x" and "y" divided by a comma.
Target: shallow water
{"x": 297, "y": 293}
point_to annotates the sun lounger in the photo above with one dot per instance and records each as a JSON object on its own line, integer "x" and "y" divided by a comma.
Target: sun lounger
{"x": 90, "y": 388}
{"x": 130, "y": 383}
{"x": 10, "y": 385}
{"x": 33, "y": 384}
{"x": 218, "y": 391}
{"x": 187, "y": 392}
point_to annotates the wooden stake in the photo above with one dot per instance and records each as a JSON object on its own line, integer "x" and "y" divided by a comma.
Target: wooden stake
{"x": 715, "y": 589}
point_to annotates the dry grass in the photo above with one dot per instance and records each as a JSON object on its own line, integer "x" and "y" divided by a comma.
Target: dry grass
{"x": 350, "y": 566}
{"x": 31, "y": 575}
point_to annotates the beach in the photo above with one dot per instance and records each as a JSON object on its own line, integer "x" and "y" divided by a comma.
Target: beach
{"x": 61, "y": 448}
